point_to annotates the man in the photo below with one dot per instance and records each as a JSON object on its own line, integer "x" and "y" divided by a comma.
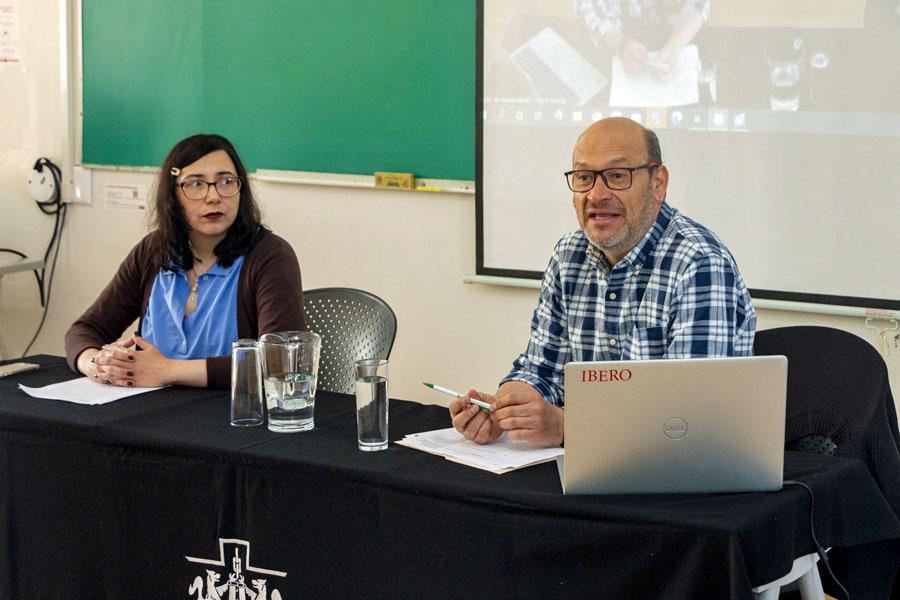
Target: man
{"x": 638, "y": 280}
{"x": 626, "y": 27}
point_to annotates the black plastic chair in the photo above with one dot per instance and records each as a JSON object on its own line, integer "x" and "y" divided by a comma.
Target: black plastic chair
{"x": 839, "y": 399}
{"x": 839, "y": 403}
{"x": 354, "y": 324}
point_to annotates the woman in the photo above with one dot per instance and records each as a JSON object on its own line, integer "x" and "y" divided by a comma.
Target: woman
{"x": 207, "y": 274}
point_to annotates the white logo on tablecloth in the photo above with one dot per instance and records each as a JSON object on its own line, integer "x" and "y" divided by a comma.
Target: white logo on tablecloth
{"x": 208, "y": 586}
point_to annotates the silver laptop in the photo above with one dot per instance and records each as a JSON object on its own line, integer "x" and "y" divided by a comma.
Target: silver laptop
{"x": 556, "y": 70}
{"x": 674, "y": 426}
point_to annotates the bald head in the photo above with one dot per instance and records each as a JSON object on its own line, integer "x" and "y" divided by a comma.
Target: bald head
{"x": 619, "y": 131}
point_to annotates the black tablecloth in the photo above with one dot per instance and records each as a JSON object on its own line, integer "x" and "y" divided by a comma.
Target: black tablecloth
{"x": 155, "y": 495}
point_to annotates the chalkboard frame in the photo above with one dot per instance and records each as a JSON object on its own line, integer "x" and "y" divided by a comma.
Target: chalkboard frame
{"x": 385, "y": 86}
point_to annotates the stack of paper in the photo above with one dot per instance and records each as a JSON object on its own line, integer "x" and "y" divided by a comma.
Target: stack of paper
{"x": 500, "y": 456}
{"x": 647, "y": 88}
{"x": 84, "y": 391}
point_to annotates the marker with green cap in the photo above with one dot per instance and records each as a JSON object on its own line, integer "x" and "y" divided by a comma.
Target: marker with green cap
{"x": 437, "y": 388}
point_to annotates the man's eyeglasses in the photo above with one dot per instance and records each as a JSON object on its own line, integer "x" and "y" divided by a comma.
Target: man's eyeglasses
{"x": 196, "y": 189}
{"x": 616, "y": 178}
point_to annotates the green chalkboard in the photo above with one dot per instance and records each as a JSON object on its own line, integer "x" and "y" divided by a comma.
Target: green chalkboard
{"x": 335, "y": 86}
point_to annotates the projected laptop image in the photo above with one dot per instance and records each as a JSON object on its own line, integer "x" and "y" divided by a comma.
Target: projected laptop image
{"x": 674, "y": 426}
{"x": 554, "y": 69}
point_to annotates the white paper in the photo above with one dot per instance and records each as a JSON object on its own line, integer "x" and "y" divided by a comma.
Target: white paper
{"x": 9, "y": 31}
{"x": 84, "y": 391}
{"x": 678, "y": 88}
{"x": 499, "y": 456}
{"x": 126, "y": 197}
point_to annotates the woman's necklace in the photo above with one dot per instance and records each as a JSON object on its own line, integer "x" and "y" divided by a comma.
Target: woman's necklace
{"x": 194, "y": 282}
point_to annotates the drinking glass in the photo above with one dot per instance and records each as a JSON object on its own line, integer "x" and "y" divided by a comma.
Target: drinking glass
{"x": 246, "y": 384}
{"x": 785, "y": 58}
{"x": 372, "y": 404}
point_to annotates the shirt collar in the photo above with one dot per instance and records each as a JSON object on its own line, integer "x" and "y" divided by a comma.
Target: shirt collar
{"x": 216, "y": 270}
{"x": 638, "y": 255}
{"x": 596, "y": 256}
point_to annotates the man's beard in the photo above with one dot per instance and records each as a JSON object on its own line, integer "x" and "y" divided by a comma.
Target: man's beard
{"x": 631, "y": 232}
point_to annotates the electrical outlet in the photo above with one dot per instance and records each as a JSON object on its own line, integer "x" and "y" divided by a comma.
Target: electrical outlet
{"x": 41, "y": 185}
{"x": 82, "y": 179}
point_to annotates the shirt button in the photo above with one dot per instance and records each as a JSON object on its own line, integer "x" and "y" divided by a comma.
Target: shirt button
{"x": 205, "y": 277}
{"x": 612, "y": 342}
{"x": 612, "y": 296}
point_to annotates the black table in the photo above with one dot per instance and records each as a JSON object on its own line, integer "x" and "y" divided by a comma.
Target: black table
{"x": 157, "y": 496}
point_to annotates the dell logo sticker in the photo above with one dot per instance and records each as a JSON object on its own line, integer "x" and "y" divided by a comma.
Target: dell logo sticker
{"x": 675, "y": 428}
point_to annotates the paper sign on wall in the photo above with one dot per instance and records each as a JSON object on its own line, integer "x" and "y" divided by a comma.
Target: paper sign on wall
{"x": 124, "y": 196}
{"x": 9, "y": 31}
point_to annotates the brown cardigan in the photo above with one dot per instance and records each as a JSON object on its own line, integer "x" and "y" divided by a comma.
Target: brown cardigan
{"x": 269, "y": 298}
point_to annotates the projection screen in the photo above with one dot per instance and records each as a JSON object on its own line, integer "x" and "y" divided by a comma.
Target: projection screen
{"x": 779, "y": 122}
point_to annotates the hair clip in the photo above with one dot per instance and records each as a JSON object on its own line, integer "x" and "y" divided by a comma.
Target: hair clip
{"x": 175, "y": 171}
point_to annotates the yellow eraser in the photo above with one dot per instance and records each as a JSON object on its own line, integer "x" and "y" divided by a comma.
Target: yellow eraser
{"x": 404, "y": 181}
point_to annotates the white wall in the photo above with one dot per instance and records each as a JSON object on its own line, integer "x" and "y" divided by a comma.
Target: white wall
{"x": 410, "y": 248}
{"x": 31, "y": 125}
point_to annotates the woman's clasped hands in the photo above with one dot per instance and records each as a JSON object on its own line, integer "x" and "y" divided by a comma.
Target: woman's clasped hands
{"x": 131, "y": 362}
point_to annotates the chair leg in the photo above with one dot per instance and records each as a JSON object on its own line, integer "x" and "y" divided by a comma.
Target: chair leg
{"x": 768, "y": 594}
{"x": 810, "y": 584}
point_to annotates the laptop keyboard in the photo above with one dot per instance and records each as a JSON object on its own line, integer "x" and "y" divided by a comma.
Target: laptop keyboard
{"x": 543, "y": 79}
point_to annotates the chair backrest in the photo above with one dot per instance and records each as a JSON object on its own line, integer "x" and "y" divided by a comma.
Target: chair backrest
{"x": 354, "y": 324}
{"x": 839, "y": 399}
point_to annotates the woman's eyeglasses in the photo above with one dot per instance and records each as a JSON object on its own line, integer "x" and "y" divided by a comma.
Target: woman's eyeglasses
{"x": 197, "y": 189}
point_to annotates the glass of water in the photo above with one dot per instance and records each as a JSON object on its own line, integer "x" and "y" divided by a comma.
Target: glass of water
{"x": 291, "y": 365}
{"x": 372, "y": 403}
{"x": 785, "y": 58}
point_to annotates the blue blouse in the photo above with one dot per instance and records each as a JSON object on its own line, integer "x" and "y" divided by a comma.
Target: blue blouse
{"x": 210, "y": 329}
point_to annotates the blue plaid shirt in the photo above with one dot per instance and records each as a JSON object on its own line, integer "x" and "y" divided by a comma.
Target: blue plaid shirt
{"x": 603, "y": 15}
{"x": 677, "y": 294}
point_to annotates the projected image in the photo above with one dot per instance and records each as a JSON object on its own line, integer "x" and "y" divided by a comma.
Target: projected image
{"x": 770, "y": 65}
{"x": 762, "y": 108}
